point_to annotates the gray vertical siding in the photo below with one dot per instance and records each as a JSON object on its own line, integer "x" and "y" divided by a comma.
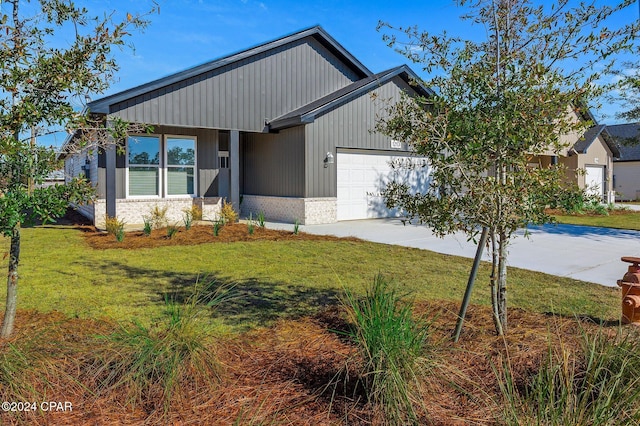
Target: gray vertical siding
{"x": 244, "y": 94}
{"x": 348, "y": 126}
{"x": 274, "y": 163}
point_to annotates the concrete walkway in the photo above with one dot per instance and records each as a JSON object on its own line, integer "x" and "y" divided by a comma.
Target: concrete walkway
{"x": 581, "y": 252}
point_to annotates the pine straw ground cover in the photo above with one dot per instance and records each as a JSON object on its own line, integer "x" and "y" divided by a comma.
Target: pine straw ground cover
{"x": 199, "y": 234}
{"x": 297, "y": 372}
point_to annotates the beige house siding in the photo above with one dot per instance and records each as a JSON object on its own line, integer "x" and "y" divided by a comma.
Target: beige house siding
{"x": 627, "y": 180}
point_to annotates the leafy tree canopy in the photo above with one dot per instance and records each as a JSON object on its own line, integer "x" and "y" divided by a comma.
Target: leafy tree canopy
{"x": 498, "y": 105}
{"x": 52, "y": 54}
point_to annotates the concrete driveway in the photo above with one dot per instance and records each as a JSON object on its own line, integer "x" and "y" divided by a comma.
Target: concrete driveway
{"x": 581, "y": 252}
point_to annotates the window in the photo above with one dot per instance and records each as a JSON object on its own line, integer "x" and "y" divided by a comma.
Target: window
{"x": 144, "y": 165}
{"x": 181, "y": 162}
{"x": 161, "y": 167}
{"x": 224, "y": 159}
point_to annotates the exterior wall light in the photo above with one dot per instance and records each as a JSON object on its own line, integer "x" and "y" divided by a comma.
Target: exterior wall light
{"x": 329, "y": 159}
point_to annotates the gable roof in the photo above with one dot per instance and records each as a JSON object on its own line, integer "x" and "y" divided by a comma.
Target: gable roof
{"x": 102, "y": 105}
{"x": 623, "y": 135}
{"x": 309, "y": 112}
{"x": 591, "y": 135}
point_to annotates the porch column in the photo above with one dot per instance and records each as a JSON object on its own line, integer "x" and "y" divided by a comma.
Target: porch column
{"x": 110, "y": 179}
{"x": 234, "y": 168}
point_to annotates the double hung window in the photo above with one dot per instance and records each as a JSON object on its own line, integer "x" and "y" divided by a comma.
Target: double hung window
{"x": 161, "y": 166}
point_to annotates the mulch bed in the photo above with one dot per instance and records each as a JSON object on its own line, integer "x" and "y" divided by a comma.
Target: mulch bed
{"x": 200, "y": 234}
{"x": 301, "y": 372}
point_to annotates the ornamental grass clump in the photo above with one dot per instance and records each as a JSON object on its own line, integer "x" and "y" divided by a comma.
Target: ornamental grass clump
{"x": 596, "y": 384}
{"x": 261, "y": 219}
{"x": 154, "y": 365}
{"x": 187, "y": 219}
{"x": 392, "y": 346}
{"x": 250, "y": 225}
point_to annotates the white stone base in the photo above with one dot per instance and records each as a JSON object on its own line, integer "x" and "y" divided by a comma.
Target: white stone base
{"x": 133, "y": 211}
{"x": 307, "y": 211}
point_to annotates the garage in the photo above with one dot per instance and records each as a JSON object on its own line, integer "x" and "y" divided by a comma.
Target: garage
{"x": 594, "y": 180}
{"x": 362, "y": 175}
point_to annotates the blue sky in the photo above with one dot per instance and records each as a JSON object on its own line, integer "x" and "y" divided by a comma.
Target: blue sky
{"x": 189, "y": 32}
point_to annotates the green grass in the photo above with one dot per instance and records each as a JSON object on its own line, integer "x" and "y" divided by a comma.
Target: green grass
{"x": 58, "y": 271}
{"x": 630, "y": 220}
{"x": 392, "y": 345}
{"x": 597, "y": 384}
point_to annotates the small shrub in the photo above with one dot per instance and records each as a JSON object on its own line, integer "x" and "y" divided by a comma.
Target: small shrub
{"x": 147, "y": 226}
{"x": 296, "y": 227}
{"x": 158, "y": 216}
{"x": 261, "y": 219}
{"x": 391, "y": 345}
{"x": 115, "y": 227}
{"x": 187, "y": 218}
{"x": 250, "y": 225}
{"x": 171, "y": 231}
{"x": 228, "y": 213}
{"x": 217, "y": 226}
{"x": 196, "y": 212}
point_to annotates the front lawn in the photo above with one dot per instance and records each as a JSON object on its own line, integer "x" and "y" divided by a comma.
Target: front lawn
{"x": 619, "y": 219}
{"x": 60, "y": 271}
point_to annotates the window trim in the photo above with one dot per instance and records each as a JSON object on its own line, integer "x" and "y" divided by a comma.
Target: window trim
{"x": 166, "y": 166}
{"x": 159, "y": 166}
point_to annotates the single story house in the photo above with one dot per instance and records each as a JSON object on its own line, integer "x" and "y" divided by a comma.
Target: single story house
{"x": 284, "y": 128}
{"x": 588, "y": 157}
{"x": 626, "y": 168}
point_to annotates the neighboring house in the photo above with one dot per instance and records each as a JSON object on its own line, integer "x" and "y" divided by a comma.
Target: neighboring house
{"x": 588, "y": 158}
{"x": 626, "y": 168}
{"x": 285, "y": 128}
{"x": 56, "y": 177}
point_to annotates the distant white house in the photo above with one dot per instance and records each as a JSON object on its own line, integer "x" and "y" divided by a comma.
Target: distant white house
{"x": 626, "y": 168}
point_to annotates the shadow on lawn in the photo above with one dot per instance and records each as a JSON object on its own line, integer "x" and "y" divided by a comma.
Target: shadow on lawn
{"x": 250, "y": 301}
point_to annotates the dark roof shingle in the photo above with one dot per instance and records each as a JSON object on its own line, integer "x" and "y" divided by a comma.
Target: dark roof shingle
{"x": 627, "y": 139}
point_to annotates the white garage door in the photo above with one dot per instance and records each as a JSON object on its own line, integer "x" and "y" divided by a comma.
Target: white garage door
{"x": 594, "y": 180}
{"x": 362, "y": 177}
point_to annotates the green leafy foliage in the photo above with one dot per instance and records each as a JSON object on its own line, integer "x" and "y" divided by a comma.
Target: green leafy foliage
{"x": 40, "y": 86}
{"x": 495, "y": 104}
{"x": 172, "y": 230}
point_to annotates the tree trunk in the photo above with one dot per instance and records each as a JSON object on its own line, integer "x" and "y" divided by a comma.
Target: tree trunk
{"x": 12, "y": 285}
{"x": 495, "y": 276}
{"x": 502, "y": 280}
